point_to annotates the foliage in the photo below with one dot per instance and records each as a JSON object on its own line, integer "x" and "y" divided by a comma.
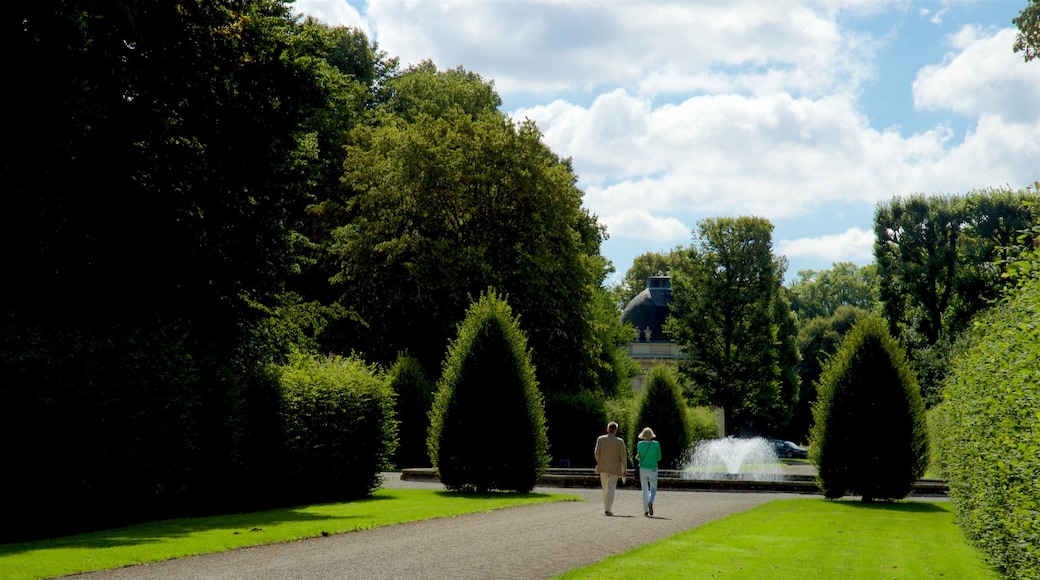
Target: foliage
{"x": 663, "y": 409}
{"x": 622, "y": 410}
{"x": 818, "y": 339}
{"x": 1027, "y": 39}
{"x": 869, "y": 436}
{"x": 108, "y": 425}
{"x": 413, "y": 399}
{"x": 442, "y": 199}
{"x": 487, "y": 426}
{"x": 340, "y": 431}
{"x": 704, "y": 424}
{"x": 724, "y": 316}
{"x": 148, "y": 218}
{"x": 573, "y": 420}
{"x": 819, "y": 294}
{"x": 990, "y": 438}
{"x": 644, "y": 266}
{"x": 940, "y": 260}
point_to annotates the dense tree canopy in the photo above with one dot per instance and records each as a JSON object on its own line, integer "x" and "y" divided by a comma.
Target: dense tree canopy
{"x": 726, "y": 319}
{"x": 446, "y": 196}
{"x": 1028, "y": 38}
{"x": 940, "y": 261}
{"x": 149, "y": 208}
{"x": 820, "y": 293}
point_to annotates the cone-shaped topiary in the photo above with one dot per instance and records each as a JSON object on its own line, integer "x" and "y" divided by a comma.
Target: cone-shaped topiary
{"x": 663, "y": 409}
{"x": 414, "y": 398}
{"x": 869, "y": 436}
{"x": 487, "y": 426}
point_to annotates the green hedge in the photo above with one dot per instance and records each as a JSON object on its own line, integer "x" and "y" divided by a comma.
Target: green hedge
{"x": 487, "y": 426}
{"x": 870, "y": 435}
{"x": 340, "y": 431}
{"x": 990, "y": 434}
{"x": 663, "y": 409}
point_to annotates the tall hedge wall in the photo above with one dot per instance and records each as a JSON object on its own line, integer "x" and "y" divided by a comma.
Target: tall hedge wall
{"x": 990, "y": 434}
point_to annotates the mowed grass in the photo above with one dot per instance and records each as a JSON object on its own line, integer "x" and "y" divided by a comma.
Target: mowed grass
{"x": 809, "y": 538}
{"x": 177, "y": 538}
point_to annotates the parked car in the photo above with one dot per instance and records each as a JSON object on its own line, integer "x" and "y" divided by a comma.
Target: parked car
{"x": 788, "y": 449}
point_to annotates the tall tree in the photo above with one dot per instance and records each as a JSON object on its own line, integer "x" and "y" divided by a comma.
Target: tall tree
{"x": 148, "y": 216}
{"x": 818, "y": 340}
{"x": 939, "y": 261}
{"x": 1028, "y": 38}
{"x": 445, "y": 196}
{"x": 725, "y": 317}
{"x": 820, "y": 293}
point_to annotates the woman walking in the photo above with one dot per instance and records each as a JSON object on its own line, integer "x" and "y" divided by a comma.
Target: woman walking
{"x": 648, "y": 454}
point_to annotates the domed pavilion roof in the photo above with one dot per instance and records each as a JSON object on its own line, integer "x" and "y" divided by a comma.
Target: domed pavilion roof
{"x": 650, "y": 309}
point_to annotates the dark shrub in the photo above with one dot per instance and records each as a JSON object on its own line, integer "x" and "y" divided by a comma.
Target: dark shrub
{"x": 413, "y": 400}
{"x": 575, "y": 421}
{"x": 989, "y": 436}
{"x": 870, "y": 435}
{"x": 340, "y": 430}
{"x": 487, "y": 428}
{"x": 663, "y": 409}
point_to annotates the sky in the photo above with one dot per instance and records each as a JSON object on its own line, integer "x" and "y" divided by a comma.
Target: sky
{"x": 806, "y": 113}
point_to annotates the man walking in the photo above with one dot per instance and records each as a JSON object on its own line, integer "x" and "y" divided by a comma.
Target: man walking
{"x": 611, "y": 463}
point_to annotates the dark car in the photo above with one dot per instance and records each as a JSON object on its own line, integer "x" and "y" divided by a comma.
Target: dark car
{"x": 788, "y": 449}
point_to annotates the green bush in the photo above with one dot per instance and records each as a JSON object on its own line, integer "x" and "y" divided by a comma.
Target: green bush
{"x": 870, "y": 435}
{"x": 574, "y": 422}
{"x": 412, "y": 403}
{"x": 663, "y": 409}
{"x": 339, "y": 426}
{"x": 112, "y": 425}
{"x": 990, "y": 434}
{"x": 622, "y": 410}
{"x": 487, "y": 427}
{"x": 704, "y": 424}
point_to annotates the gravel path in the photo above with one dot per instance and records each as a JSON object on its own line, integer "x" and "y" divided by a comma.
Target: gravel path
{"x": 537, "y": 541}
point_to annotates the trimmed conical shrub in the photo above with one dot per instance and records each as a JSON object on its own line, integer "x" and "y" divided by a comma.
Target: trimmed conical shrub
{"x": 869, "y": 436}
{"x": 487, "y": 426}
{"x": 413, "y": 401}
{"x": 663, "y": 409}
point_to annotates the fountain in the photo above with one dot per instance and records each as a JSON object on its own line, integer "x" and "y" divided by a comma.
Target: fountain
{"x": 733, "y": 458}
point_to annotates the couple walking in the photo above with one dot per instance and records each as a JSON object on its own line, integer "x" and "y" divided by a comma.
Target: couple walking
{"x": 612, "y": 463}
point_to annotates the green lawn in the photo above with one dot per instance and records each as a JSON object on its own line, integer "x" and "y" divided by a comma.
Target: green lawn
{"x": 184, "y": 537}
{"x": 797, "y": 538}
{"x": 809, "y": 538}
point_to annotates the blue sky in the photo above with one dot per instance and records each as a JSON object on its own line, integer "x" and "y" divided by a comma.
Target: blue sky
{"x": 805, "y": 113}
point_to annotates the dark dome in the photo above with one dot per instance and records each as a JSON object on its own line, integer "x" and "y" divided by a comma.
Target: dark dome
{"x": 650, "y": 308}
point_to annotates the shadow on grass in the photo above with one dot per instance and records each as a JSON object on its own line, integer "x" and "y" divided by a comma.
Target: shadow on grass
{"x": 911, "y": 507}
{"x": 153, "y": 532}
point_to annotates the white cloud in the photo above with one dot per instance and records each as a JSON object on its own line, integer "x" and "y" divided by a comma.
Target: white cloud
{"x": 332, "y": 12}
{"x": 543, "y": 46}
{"x": 854, "y": 245}
{"x": 983, "y": 78}
{"x": 642, "y": 225}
